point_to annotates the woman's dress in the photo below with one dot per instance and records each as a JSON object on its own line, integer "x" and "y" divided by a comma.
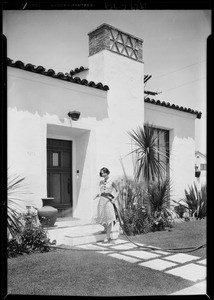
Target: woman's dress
{"x": 105, "y": 209}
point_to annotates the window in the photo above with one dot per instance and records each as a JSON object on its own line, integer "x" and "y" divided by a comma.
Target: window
{"x": 55, "y": 159}
{"x": 203, "y": 167}
{"x": 163, "y": 148}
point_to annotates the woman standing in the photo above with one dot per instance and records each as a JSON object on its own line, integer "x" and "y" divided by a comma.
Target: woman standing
{"x": 105, "y": 211}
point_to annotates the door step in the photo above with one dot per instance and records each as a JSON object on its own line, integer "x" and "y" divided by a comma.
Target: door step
{"x": 78, "y": 233}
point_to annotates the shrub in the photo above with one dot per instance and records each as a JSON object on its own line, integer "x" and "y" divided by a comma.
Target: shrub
{"x": 25, "y": 233}
{"x": 35, "y": 236}
{"x": 135, "y": 221}
{"x": 196, "y": 201}
{"x": 45, "y": 221}
{"x": 131, "y": 193}
{"x": 16, "y": 191}
{"x": 180, "y": 210}
{"x": 32, "y": 238}
{"x": 15, "y": 248}
{"x": 130, "y": 202}
{"x": 133, "y": 203}
{"x": 158, "y": 197}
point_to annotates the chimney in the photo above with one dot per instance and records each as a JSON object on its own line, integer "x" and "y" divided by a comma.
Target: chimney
{"x": 107, "y": 37}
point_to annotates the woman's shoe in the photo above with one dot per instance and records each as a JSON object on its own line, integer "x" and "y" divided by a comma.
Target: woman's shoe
{"x": 107, "y": 241}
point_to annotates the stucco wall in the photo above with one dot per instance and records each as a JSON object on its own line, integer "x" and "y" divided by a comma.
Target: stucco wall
{"x": 37, "y": 109}
{"x": 201, "y": 159}
{"x": 124, "y": 77}
{"x": 182, "y": 144}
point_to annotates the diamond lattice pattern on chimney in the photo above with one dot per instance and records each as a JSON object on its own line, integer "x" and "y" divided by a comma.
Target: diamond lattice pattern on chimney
{"x": 124, "y": 44}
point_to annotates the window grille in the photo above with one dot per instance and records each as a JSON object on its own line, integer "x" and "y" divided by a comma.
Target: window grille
{"x": 124, "y": 44}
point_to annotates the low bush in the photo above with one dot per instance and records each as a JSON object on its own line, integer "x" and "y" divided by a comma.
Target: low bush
{"x": 32, "y": 238}
{"x": 133, "y": 201}
{"x": 195, "y": 201}
{"x": 45, "y": 221}
{"x": 180, "y": 210}
{"x": 135, "y": 221}
{"x": 15, "y": 248}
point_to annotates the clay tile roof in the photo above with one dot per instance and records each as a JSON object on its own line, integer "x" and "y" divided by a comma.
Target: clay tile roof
{"x": 51, "y": 73}
{"x": 173, "y": 106}
{"x": 77, "y": 70}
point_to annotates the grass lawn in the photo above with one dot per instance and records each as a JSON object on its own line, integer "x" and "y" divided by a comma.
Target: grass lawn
{"x": 67, "y": 272}
{"x": 185, "y": 234}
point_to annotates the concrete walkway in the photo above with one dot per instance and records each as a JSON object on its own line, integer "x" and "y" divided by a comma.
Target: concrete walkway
{"x": 186, "y": 266}
{"x": 84, "y": 235}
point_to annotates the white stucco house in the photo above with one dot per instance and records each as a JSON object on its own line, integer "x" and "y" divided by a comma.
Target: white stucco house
{"x": 61, "y": 157}
{"x": 201, "y": 167}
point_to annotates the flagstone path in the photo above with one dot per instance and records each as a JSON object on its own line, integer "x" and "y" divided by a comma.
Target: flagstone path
{"x": 186, "y": 266}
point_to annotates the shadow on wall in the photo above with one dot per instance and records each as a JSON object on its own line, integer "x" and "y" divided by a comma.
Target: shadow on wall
{"x": 81, "y": 146}
{"x": 55, "y": 98}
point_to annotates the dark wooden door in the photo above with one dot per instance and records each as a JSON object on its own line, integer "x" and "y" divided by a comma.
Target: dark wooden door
{"x": 59, "y": 172}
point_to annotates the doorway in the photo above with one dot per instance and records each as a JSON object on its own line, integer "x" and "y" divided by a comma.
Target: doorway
{"x": 59, "y": 173}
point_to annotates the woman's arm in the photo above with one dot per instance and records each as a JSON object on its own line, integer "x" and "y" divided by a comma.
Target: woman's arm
{"x": 98, "y": 195}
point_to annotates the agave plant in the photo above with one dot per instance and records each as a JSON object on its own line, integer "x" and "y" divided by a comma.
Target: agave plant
{"x": 196, "y": 201}
{"x": 158, "y": 197}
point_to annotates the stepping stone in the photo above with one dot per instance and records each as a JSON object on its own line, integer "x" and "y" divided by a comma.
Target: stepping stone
{"x": 191, "y": 272}
{"x": 181, "y": 257}
{"x": 158, "y": 264}
{"x": 91, "y": 247}
{"x": 161, "y": 252}
{"x": 123, "y": 257}
{"x": 114, "y": 242}
{"x": 196, "y": 289}
{"x": 119, "y": 241}
{"x": 202, "y": 262}
{"x": 104, "y": 251}
{"x": 123, "y": 247}
{"x": 141, "y": 254}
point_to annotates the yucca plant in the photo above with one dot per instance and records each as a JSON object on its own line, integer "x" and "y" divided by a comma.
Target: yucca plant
{"x": 196, "y": 201}
{"x": 158, "y": 197}
{"x": 149, "y": 164}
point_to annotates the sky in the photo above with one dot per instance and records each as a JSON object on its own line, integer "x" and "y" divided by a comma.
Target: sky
{"x": 174, "y": 48}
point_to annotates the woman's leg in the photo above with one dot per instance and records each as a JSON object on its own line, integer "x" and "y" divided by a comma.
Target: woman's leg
{"x": 108, "y": 230}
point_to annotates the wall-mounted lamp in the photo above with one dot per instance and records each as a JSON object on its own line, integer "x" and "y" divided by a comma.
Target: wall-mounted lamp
{"x": 74, "y": 115}
{"x": 197, "y": 172}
